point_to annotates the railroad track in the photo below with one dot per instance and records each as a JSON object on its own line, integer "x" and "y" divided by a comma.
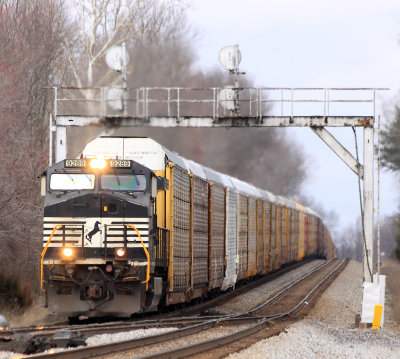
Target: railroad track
{"x": 207, "y": 348}
{"x": 155, "y": 320}
{"x": 255, "y": 321}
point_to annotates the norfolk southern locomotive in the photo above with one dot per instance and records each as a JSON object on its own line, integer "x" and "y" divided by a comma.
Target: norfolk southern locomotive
{"x": 131, "y": 226}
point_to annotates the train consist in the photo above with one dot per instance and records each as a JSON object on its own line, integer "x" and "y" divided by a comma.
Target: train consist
{"x": 132, "y": 226}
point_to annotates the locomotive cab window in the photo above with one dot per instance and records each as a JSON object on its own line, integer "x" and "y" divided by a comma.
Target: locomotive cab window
{"x": 71, "y": 181}
{"x": 123, "y": 182}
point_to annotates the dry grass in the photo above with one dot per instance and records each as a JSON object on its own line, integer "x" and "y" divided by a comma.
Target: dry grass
{"x": 35, "y": 314}
{"x": 391, "y": 268}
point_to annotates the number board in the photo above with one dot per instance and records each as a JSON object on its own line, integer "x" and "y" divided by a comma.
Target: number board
{"x": 120, "y": 163}
{"x": 75, "y": 163}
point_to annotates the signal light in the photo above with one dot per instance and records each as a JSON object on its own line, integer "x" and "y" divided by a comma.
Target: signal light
{"x": 109, "y": 268}
{"x": 67, "y": 252}
{"x": 98, "y": 163}
{"x": 120, "y": 252}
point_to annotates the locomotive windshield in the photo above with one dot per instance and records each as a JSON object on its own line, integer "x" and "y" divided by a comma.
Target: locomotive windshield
{"x": 123, "y": 182}
{"x": 71, "y": 181}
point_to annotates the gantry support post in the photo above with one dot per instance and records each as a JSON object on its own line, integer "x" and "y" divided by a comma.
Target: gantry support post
{"x": 339, "y": 150}
{"x": 368, "y": 201}
{"x": 365, "y": 173}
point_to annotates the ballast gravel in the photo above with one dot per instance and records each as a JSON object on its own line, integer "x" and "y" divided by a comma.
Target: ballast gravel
{"x": 171, "y": 344}
{"x": 310, "y": 339}
{"x": 329, "y": 330}
{"x": 256, "y": 296}
{"x": 118, "y": 337}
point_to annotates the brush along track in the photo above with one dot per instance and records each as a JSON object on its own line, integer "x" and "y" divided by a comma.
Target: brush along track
{"x": 232, "y": 334}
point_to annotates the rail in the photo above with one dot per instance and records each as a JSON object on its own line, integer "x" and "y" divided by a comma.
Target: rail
{"x": 56, "y": 227}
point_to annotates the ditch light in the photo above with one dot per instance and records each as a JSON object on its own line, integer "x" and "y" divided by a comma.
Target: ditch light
{"x": 67, "y": 252}
{"x": 120, "y": 252}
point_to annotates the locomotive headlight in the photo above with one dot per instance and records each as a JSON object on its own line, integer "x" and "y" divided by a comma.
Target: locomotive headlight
{"x": 120, "y": 252}
{"x": 98, "y": 163}
{"x": 67, "y": 252}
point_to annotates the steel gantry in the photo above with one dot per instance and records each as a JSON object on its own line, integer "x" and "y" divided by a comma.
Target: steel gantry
{"x": 316, "y": 108}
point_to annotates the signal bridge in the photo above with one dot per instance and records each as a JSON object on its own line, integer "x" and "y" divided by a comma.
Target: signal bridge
{"x": 230, "y": 107}
{"x": 215, "y": 107}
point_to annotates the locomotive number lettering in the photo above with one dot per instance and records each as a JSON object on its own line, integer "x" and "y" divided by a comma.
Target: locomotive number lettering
{"x": 75, "y": 163}
{"x": 120, "y": 163}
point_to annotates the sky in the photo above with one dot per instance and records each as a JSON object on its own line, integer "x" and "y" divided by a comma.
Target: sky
{"x": 313, "y": 43}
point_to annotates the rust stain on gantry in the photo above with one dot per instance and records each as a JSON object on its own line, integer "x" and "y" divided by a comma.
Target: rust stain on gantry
{"x": 112, "y": 121}
{"x": 97, "y": 124}
{"x": 365, "y": 122}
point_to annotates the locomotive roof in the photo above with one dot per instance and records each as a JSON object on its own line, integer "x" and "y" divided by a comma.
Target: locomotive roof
{"x": 154, "y": 156}
{"x": 196, "y": 169}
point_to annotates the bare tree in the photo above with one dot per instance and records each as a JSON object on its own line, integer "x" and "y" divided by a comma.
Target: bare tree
{"x": 30, "y": 42}
{"x": 160, "y": 45}
{"x": 102, "y": 24}
{"x": 349, "y": 242}
{"x": 265, "y": 157}
{"x": 389, "y": 231}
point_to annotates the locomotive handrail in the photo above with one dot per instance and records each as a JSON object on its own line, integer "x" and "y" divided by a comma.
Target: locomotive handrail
{"x": 56, "y": 227}
{"x": 147, "y": 256}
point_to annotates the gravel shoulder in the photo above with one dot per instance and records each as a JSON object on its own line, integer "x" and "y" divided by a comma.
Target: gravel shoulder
{"x": 329, "y": 330}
